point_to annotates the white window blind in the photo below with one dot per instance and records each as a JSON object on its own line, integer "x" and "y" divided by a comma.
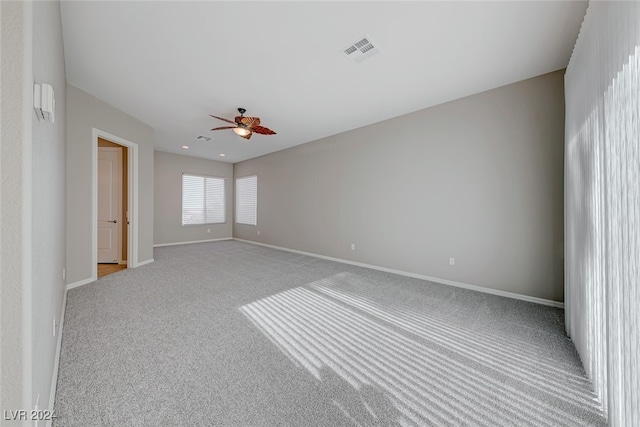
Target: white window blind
{"x": 602, "y": 205}
{"x": 202, "y": 200}
{"x": 247, "y": 200}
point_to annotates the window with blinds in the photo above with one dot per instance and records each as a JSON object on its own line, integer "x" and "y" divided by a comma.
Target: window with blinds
{"x": 602, "y": 205}
{"x": 202, "y": 200}
{"x": 247, "y": 200}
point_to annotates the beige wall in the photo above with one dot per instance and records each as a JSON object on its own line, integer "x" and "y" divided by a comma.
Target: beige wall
{"x": 478, "y": 179}
{"x": 32, "y": 207}
{"x": 49, "y": 194}
{"x": 13, "y": 329}
{"x": 168, "y": 171}
{"x": 85, "y": 112}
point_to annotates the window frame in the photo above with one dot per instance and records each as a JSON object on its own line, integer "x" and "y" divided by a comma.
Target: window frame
{"x": 224, "y": 199}
{"x": 237, "y": 200}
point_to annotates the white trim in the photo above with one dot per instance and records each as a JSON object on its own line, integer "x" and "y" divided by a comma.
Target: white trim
{"x": 159, "y": 245}
{"x": 132, "y": 183}
{"x": 80, "y": 282}
{"x": 149, "y": 261}
{"x": 421, "y": 276}
{"x": 91, "y": 280}
{"x": 132, "y": 207}
{"x": 94, "y": 205}
{"x": 56, "y": 361}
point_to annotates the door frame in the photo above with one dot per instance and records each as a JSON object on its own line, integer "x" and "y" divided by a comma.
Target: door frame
{"x": 132, "y": 198}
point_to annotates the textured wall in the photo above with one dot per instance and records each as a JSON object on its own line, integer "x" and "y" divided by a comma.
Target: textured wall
{"x": 12, "y": 132}
{"x": 167, "y": 222}
{"x": 478, "y": 179}
{"x": 85, "y": 112}
{"x": 48, "y": 220}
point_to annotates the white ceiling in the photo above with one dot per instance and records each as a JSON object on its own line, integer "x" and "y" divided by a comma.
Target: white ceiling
{"x": 171, "y": 64}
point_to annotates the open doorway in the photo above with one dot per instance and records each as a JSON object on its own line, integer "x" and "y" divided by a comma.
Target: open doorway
{"x": 113, "y": 212}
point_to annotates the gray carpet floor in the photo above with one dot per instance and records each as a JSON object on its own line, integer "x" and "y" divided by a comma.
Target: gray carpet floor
{"x": 234, "y": 334}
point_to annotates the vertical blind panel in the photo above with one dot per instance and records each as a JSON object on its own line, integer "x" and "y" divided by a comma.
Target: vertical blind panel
{"x": 602, "y": 200}
{"x": 202, "y": 200}
{"x": 247, "y": 200}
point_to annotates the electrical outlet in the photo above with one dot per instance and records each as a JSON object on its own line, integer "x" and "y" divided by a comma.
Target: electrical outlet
{"x": 353, "y": 246}
{"x": 258, "y": 232}
{"x": 452, "y": 261}
{"x": 208, "y": 230}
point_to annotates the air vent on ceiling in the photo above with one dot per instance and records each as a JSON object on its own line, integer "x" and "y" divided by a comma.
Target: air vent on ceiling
{"x": 203, "y": 138}
{"x": 361, "y": 50}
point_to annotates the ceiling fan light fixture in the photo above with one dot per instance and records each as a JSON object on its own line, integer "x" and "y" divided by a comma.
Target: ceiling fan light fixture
{"x": 241, "y": 131}
{"x": 244, "y": 126}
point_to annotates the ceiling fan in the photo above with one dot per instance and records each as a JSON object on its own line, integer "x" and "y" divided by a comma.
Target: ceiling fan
{"x": 244, "y": 126}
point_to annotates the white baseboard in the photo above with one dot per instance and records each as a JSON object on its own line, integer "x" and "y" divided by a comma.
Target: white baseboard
{"x": 56, "y": 361}
{"x": 80, "y": 283}
{"x": 149, "y": 261}
{"x": 420, "y": 276}
{"x": 159, "y": 245}
{"x": 93, "y": 279}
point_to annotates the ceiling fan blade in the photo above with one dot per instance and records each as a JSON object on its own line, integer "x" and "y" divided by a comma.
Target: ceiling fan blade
{"x": 263, "y": 130}
{"x": 223, "y": 119}
{"x": 224, "y": 127}
{"x": 249, "y": 121}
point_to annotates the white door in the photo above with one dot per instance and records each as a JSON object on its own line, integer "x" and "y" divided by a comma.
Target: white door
{"x": 109, "y": 197}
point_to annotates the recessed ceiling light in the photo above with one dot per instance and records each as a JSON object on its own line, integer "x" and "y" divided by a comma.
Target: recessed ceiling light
{"x": 186, "y": 147}
{"x": 222, "y": 154}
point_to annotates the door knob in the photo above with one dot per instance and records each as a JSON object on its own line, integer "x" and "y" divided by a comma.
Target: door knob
{"x": 114, "y": 221}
